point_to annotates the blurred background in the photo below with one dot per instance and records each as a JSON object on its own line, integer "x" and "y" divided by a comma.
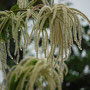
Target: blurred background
{"x": 78, "y": 63}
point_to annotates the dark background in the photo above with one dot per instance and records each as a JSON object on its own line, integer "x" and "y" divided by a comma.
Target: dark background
{"x": 76, "y": 79}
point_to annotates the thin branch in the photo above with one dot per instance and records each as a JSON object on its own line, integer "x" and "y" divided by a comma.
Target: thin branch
{"x": 22, "y": 10}
{"x": 52, "y": 3}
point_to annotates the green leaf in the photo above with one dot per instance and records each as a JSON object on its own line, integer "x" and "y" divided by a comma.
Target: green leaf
{"x": 32, "y": 62}
{"x": 13, "y": 83}
{"x": 4, "y": 33}
{"x": 71, "y": 78}
{"x": 15, "y": 7}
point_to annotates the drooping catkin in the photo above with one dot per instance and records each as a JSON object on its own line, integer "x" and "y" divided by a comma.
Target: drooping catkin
{"x": 22, "y": 3}
{"x": 36, "y": 42}
{"x": 8, "y": 49}
{"x": 34, "y": 70}
{"x": 64, "y": 24}
{"x": 3, "y": 55}
{"x": 64, "y": 27}
{"x": 46, "y": 43}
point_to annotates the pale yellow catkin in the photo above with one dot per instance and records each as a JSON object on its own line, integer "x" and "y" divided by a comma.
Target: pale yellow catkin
{"x": 66, "y": 26}
{"x": 30, "y": 71}
{"x": 63, "y": 23}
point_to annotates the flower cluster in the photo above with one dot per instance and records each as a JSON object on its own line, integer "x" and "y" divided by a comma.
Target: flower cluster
{"x": 63, "y": 25}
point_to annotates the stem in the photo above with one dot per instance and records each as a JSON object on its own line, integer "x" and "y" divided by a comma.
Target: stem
{"x": 21, "y": 10}
{"x": 47, "y": 2}
{"x": 52, "y": 3}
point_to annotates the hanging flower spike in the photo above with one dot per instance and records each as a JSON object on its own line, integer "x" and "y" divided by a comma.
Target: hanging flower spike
{"x": 17, "y": 20}
{"x": 68, "y": 20}
{"x": 34, "y": 72}
{"x": 62, "y": 20}
{"x": 22, "y": 3}
{"x": 3, "y": 56}
{"x": 64, "y": 27}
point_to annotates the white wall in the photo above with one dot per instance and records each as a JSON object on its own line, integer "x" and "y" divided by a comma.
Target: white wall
{"x": 82, "y": 5}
